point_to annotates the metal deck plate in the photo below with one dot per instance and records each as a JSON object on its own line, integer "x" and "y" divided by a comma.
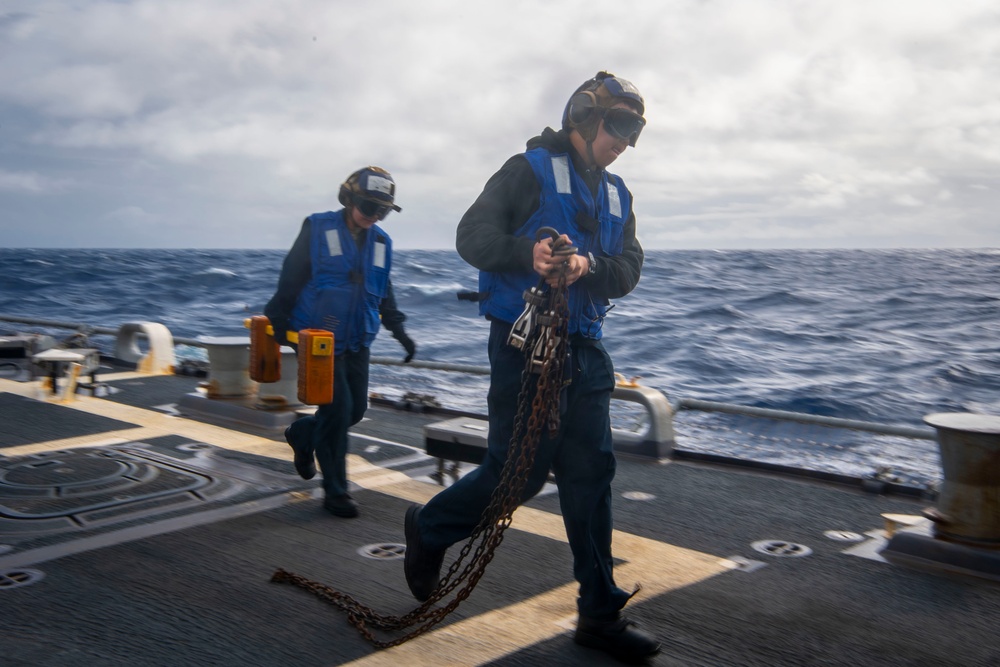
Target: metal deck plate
{"x": 63, "y": 495}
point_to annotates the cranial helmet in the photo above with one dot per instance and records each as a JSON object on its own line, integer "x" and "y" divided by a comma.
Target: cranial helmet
{"x": 594, "y": 97}
{"x": 370, "y": 189}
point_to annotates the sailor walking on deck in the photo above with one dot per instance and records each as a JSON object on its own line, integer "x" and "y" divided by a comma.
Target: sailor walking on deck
{"x": 559, "y": 182}
{"x": 337, "y": 277}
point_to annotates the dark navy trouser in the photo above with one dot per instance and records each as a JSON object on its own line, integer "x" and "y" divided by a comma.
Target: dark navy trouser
{"x": 328, "y": 427}
{"x": 581, "y": 456}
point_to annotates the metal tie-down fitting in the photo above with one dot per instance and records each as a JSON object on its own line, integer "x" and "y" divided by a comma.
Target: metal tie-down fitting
{"x": 534, "y": 299}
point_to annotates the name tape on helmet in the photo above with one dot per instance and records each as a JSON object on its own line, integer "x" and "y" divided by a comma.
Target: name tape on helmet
{"x": 379, "y": 184}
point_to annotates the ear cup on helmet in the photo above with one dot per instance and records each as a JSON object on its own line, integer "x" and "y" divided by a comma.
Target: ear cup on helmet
{"x": 345, "y": 196}
{"x": 581, "y": 106}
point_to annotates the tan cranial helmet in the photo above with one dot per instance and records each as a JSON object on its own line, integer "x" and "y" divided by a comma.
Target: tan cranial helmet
{"x": 371, "y": 190}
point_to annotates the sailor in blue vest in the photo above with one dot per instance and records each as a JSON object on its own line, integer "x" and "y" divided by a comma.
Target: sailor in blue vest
{"x": 560, "y": 182}
{"x": 336, "y": 277}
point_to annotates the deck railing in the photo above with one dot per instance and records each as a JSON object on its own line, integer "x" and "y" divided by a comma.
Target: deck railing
{"x": 660, "y": 413}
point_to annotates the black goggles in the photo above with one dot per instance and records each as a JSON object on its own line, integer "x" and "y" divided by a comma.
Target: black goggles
{"x": 372, "y": 209}
{"x": 623, "y": 124}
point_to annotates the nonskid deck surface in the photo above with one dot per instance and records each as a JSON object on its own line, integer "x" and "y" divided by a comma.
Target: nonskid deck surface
{"x": 132, "y": 535}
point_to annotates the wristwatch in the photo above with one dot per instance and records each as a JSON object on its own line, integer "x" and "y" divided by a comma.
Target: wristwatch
{"x": 593, "y": 263}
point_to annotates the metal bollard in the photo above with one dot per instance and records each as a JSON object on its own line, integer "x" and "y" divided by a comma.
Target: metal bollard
{"x": 284, "y": 392}
{"x": 968, "y": 508}
{"x": 229, "y": 366}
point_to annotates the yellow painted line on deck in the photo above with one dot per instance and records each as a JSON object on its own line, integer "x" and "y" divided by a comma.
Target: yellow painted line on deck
{"x": 658, "y": 566}
{"x": 124, "y": 375}
{"x": 490, "y": 636}
{"x": 152, "y": 424}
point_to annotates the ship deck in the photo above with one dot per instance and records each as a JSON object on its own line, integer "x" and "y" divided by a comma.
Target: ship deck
{"x": 134, "y": 535}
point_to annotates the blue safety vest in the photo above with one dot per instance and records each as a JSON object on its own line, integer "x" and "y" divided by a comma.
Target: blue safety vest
{"x": 594, "y": 225}
{"x": 348, "y": 283}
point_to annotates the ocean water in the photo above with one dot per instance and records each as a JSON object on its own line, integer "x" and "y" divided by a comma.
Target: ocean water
{"x": 877, "y": 335}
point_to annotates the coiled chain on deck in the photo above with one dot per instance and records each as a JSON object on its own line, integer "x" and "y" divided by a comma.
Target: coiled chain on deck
{"x": 546, "y": 348}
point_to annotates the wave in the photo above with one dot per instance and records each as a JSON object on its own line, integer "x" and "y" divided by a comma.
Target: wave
{"x": 431, "y": 289}
{"x": 780, "y": 298}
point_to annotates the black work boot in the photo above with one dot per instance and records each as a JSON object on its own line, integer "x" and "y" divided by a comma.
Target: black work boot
{"x": 342, "y": 506}
{"x": 421, "y": 566}
{"x": 618, "y": 636}
{"x": 304, "y": 463}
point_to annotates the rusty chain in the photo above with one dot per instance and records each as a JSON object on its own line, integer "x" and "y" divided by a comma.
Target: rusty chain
{"x": 546, "y": 350}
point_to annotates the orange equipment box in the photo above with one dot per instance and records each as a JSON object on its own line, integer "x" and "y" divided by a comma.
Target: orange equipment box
{"x": 315, "y": 366}
{"x": 265, "y": 353}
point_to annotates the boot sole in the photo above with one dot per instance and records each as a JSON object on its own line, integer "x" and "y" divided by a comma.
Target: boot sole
{"x": 346, "y": 513}
{"x": 601, "y": 644}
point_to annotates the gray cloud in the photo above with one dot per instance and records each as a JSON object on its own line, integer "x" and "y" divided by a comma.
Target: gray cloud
{"x": 777, "y": 123}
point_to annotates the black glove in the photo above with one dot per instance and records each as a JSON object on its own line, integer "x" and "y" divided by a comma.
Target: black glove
{"x": 407, "y": 343}
{"x": 281, "y": 334}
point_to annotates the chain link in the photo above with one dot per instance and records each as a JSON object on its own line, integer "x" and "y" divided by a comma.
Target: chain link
{"x": 546, "y": 348}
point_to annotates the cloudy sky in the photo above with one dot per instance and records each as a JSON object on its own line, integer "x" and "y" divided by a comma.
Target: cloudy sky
{"x": 771, "y": 123}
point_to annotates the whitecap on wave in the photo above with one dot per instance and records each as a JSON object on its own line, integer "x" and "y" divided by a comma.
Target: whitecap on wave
{"x": 431, "y": 289}
{"x": 215, "y": 271}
